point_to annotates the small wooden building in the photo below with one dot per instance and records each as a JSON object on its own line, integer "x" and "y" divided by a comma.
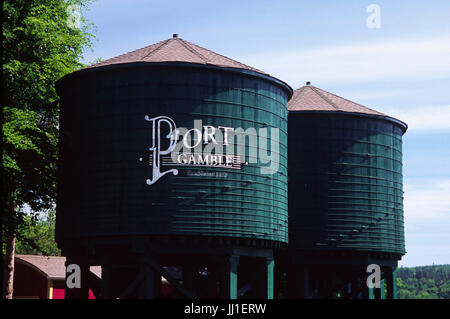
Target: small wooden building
{"x": 43, "y": 277}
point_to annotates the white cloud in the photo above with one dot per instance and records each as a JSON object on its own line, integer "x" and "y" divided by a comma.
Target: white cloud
{"x": 427, "y": 212}
{"x": 426, "y": 200}
{"x": 403, "y": 60}
{"x": 422, "y": 119}
{"x": 362, "y": 62}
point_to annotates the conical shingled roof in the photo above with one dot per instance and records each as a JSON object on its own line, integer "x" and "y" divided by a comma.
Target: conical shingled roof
{"x": 311, "y": 98}
{"x": 176, "y": 49}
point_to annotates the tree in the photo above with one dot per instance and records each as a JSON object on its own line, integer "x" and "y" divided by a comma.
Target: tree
{"x": 38, "y": 237}
{"x": 42, "y": 41}
{"x": 424, "y": 282}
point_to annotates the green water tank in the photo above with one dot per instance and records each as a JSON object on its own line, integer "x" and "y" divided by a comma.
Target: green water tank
{"x": 116, "y": 177}
{"x": 345, "y": 175}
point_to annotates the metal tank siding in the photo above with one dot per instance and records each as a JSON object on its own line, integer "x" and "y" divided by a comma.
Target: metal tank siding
{"x": 345, "y": 182}
{"x": 102, "y": 183}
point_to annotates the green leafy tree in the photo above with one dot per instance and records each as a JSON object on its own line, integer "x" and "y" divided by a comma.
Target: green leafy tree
{"x": 42, "y": 41}
{"x": 38, "y": 236}
{"x": 425, "y": 282}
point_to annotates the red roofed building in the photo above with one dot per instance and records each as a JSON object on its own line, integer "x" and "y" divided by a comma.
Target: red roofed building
{"x": 43, "y": 277}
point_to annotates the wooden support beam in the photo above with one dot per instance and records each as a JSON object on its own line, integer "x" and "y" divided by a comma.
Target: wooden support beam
{"x": 147, "y": 287}
{"x": 391, "y": 283}
{"x": 133, "y": 285}
{"x": 243, "y": 290}
{"x": 394, "y": 284}
{"x": 106, "y": 284}
{"x": 152, "y": 263}
{"x": 298, "y": 281}
{"x": 270, "y": 264}
{"x": 50, "y": 289}
{"x": 94, "y": 284}
{"x": 229, "y": 278}
{"x": 371, "y": 294}
{"x": 188, "y": 275}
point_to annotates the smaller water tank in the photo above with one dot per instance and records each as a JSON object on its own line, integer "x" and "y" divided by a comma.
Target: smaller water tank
{"x": 345, "y": 175}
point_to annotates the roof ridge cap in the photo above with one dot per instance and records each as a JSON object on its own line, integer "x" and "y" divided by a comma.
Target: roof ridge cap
{"x": 352, "y": 101}
{"x": 316, "y": 90}
{"x": 162, "y": 43}
{"x": 295, "y": 97}
{"x": 126, "y": 53}
{"x": 223, "y": 56}
{"x": 188, "y": 46}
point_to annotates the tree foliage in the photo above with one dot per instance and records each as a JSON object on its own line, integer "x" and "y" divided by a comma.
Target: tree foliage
{"x": 41, "y": 43}
{"x": 426, "y": 282}
{"x": 38, "y": 237}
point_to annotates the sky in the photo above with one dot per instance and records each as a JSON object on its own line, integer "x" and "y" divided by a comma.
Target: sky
{"x": 398, "y": 64}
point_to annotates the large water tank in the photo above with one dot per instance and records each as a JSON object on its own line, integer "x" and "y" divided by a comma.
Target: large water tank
{"x": 345, "y": 176}
{"x": 116, "y": 175}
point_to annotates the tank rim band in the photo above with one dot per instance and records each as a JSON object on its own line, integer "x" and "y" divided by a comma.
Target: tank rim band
{"x": 288, "y": 89}
{"x": 401, "y": 124}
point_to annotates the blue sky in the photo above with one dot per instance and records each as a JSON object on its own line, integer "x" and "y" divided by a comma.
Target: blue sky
{"x": 401, "y": 69}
